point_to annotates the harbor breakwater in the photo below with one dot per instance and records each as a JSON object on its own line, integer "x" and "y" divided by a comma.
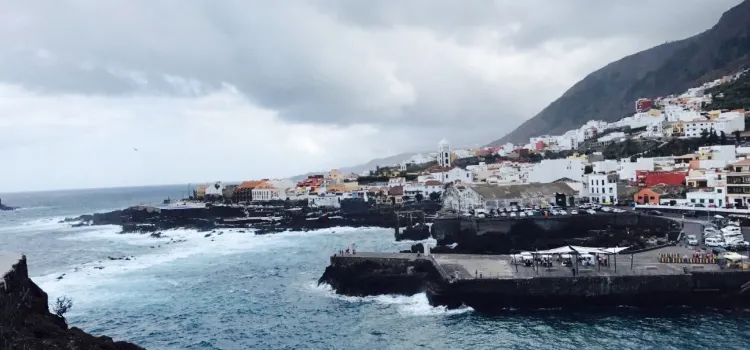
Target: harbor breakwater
{"x": 408, "y": 274}
{"x": 508, "y": 235}
{"x": 25, "y": 320}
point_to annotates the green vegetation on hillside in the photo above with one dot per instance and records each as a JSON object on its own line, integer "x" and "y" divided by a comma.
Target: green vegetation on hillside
{"x": 734, "y": 95}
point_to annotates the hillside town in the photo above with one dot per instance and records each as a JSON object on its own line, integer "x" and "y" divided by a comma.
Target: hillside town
{"x": 575, "y": 168}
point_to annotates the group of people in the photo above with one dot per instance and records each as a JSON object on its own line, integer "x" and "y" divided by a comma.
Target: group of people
{"x": 352, "y": 249}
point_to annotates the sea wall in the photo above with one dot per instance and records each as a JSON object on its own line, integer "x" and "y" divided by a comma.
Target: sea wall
{"x": 407, "y": 274}
{"x": 25, "y": 320}
{"x": 507, "y": 235}
{"x": 713, "y": 289}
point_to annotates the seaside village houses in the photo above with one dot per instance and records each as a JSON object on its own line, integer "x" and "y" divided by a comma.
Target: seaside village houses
{"x": 716, "y": 175}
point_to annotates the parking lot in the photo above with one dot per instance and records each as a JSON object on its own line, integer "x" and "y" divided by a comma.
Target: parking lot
{"x": 696, "y": 227}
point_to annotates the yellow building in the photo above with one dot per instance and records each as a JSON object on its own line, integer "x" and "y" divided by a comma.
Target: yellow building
{"x": 580, "y": 156}
{"x": 714, "y": 114}
{"x": 200, "y": 192}
{"x": 654, "y": 112}
{"x": 335, "y": 176}
{"x": 675, "y": 129}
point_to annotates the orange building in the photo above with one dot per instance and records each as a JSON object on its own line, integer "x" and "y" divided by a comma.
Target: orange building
{"x": 654, "y": 195}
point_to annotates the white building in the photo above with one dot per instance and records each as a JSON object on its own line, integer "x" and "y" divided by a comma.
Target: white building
{"x": 462, "y": 197}
{"x": 455, "y": 174}
{"x": 728, "y": 122}
{"x": 602, "y": 188}
{"x": 396, "y": 181}
{"x": 549, "y": 170}
{"x": 462, "y": 153}
{"x": 444, "y": 153}
{"x": 324, "y": 200}
{"x": 215, "y": 190}
{"x": 411, "y": 189}
{"x": 267, "y": 192}
{"x": 606, "y": 166}
{"x": 627, "y": 169}
{"x": 708, "y": 197}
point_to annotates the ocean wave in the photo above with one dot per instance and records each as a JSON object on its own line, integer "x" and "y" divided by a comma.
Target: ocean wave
{"x": 414, "y": 305}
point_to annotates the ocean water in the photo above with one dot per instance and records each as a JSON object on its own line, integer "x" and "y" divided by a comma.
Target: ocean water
{"x": 241, "y": 291}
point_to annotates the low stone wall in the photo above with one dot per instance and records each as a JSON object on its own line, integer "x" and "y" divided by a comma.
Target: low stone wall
{"x": 509, "y": 235}
{"x": 715, "y": 289}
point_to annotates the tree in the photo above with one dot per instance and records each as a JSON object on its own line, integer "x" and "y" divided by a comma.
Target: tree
{"x": 704, "y": 135}
{"x": 434, "y": 196}
{"x": 713, "y": 138}
{"x": 723, "y": 138}
{"x": 737, "y": 137}
{"x": 419, "y": 197}
{"x": 62, "y": 306}
{"x": 588, "y": 169}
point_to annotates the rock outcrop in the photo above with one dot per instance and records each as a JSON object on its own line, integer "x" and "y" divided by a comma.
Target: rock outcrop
{"x": 5, "y": 207}
{"x": 25, "y": 319}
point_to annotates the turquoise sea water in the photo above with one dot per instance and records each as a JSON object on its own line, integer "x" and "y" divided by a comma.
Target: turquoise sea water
{"x": 241, "y": 291}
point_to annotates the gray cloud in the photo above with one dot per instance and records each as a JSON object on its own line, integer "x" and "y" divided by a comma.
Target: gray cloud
{"x": 479, "y": 65}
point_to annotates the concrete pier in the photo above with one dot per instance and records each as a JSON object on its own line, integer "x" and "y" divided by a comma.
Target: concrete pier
{"x": 495, "y": 282}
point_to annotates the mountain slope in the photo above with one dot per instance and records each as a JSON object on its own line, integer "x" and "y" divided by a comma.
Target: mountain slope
{"x": 386, "y": 161}
{"x": 609, "y": 93}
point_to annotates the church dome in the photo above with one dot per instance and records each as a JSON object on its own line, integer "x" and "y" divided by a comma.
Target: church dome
{"x": 443, "y": 142}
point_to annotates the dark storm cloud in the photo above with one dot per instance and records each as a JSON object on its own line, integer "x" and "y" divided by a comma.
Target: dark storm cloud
{"x": 480, "y": 64}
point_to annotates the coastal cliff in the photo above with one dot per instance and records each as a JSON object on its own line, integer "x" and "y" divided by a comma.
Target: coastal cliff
{"x": 26, "y": 322}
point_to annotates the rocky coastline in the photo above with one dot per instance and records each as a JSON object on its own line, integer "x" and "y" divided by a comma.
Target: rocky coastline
{"x": 27, "y": 323}
{"x": 265, "y": 219}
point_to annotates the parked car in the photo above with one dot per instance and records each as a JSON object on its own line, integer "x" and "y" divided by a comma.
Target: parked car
{"x": 692, "y": 240}
{"x": 591, "y": 211}
{"x": 574, "y": 212}
{"x": 714, "y": 242}
{"x": 606, "y": 209}
{"x": 654, "y": 213}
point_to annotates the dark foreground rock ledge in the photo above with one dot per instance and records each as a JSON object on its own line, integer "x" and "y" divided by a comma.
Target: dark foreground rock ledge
{"x": 25, "y": 319}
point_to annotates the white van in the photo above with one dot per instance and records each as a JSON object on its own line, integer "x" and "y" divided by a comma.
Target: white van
{"x": 714, "y": 242}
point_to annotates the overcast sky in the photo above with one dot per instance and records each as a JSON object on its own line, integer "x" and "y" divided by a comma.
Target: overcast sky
{"x": 211, "y": 90}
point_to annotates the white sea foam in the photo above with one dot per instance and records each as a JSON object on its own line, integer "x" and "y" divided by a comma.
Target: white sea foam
{"x": 83, "y": 280}
{"x": 415, "y": 305}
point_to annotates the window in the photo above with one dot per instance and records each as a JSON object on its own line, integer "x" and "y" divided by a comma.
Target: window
{"x": 652, "y": 198}
{"x": 703, "y": 201}
{"x": 718, "y": 190}
{"x": 692, "y": 200}
{"x": 611, "y": 190}
{"x": 711, "y": 201}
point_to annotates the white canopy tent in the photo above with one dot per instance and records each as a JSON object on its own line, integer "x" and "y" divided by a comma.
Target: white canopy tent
{"x": 569, "y": 249}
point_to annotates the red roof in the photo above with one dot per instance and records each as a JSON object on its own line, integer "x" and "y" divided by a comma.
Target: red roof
{"x": 396, "y": 191}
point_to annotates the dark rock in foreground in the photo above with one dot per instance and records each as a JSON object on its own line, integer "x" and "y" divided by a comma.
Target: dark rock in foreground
{"x": 26, "y": 322}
